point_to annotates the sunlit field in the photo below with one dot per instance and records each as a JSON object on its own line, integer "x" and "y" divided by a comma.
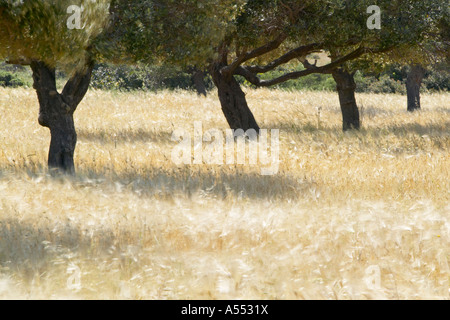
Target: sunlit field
{"x": 362, "y": 215}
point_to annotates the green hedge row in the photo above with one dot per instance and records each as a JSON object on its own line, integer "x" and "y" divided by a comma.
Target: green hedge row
{"x": 392, "y": 80}
{"x": 154, "y": 78}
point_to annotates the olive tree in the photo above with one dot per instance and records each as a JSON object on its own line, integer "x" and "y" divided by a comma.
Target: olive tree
{"x": 54, "y": 34}
{"x": 341, "y": 28}
{"x": 250, "y": 37}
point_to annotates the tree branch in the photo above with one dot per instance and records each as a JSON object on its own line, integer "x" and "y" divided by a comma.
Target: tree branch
{"x": 19, "y": 61}
{"x": 293, "y": 54}
{"x": 293, "y": 14}
{"x": 252, "y": 78}
{"x": 77, "y": 86}
{"x": 268, "y": 47}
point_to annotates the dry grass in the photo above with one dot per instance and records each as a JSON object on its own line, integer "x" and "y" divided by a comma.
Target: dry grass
{"x": 136, "y": 226}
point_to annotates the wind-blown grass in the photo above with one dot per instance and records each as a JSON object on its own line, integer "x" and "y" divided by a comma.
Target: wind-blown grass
{"x": 133, "y": 225}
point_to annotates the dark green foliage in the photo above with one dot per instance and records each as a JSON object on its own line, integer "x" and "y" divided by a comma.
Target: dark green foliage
{"x": 154, "y": 78}
{"x": 181, "y": 32}
{"x": 437, "y": 81}
{"x": 393, "y": 80}
{"x": 8, "y": 79}
{"x": 14, "y": 76}
{"x": 383, "y": 84}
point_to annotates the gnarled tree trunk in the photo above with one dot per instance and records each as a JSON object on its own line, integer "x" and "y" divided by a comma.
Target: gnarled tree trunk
{"x": 233, "y": 101}
{"x": 56, "y": 112}
{"x": 346, "y": 87}
{"x": 413, "y": 84}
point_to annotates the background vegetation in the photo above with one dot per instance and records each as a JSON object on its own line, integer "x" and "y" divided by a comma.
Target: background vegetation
{"x": 155, "y": 78}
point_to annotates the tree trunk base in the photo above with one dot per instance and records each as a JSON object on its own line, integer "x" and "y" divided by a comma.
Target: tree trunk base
{"x": 413, "y": 84}
{"x": 233, "y": 101}
{"x": 199, "y": 82}
{"x": 346, "y": 87}
{"x": 62, "y": 146}
{"x": 56, "y": 113}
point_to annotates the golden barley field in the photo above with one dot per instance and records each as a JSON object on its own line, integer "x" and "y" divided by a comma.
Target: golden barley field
{"x": 362, "y": 215}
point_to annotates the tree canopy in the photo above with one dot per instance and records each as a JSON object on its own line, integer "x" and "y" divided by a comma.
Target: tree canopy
{"x": 177, "y": 32}
{"x": 38, "y": 30}
{"x": 261, "y": 35}
{"x": 337, "y": 27}
{"x": 50, "y": 34}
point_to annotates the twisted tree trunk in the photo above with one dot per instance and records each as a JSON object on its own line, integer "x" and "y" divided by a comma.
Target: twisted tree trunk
{"x": 233, "y": 101}
{"x": 413, "y": 84}
{"x": 346, "y": 87}
{"x": 56, "y": 112}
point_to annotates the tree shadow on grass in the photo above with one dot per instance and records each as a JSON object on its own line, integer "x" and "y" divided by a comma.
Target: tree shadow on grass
{"x": 33, "y": 247}
{"x": 306, "y": 127}
{"x": 431, "y": 129}
{"x": 123, "y": 136}
{"x": 209, "y": 180}
{"x": 30, "y": 249}
{"x": 215, "y": 182}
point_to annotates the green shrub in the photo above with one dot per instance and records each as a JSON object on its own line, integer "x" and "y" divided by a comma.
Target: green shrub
{"x": 393, "y": 80}
{"x": 127, "y": 78}
{"x": 9, "y": 79}
{"x": 437, "y": 81}
{"x": 385, "y": 84}
{"x": 154, "y": 78}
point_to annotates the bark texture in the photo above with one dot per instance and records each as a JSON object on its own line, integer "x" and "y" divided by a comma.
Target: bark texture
{"x": 56, "y": 112}
{"x": 413, "y": 84}
{"x": 233, "y": 101}
{"x": 346, "y": 87}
